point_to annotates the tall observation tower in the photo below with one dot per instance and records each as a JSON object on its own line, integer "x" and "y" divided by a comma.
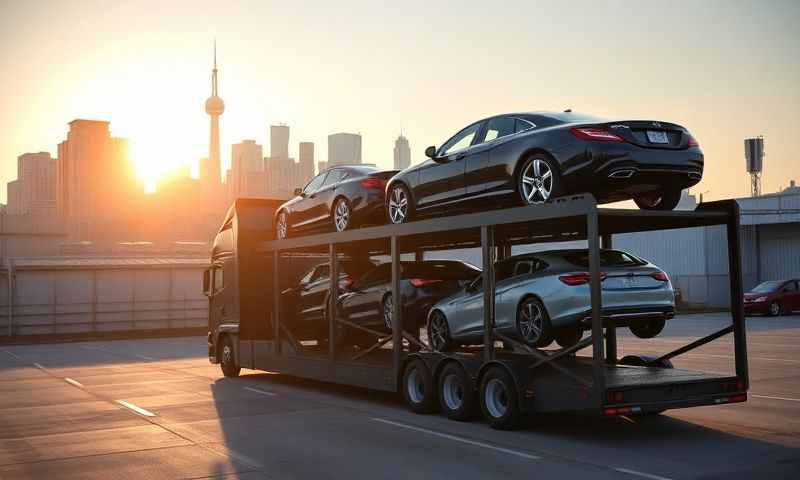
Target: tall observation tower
{"x": 214, "y": 107}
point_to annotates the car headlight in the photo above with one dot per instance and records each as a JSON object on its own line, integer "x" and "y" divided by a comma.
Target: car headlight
{"x": 760, "y": 299}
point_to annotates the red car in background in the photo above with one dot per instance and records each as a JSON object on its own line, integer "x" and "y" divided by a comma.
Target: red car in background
{"x": 775, "y": 297}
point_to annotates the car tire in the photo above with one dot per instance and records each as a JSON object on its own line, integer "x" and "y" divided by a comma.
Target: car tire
{"x": 341, "y": 215}
{"x": 538, "y": 180}
{"x": 457, "y": 397}
{"x": 647, "y": 328}
{"x": 419, "y": 390}
{"x": 227, "y": 361}
{"x": 775, "y": 309}
{"x": 399, "y": 205}
{"x": 282, "y": 225}
{"x": 533, "y": 323}
{"x": 499, "y": 400}
{"x": 665, "y": 200}
{"x": 569, "y": 337}
{"x": 439, "y": 332}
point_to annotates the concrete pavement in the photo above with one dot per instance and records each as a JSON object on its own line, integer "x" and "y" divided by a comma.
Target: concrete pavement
{"x": 156, "y": 408}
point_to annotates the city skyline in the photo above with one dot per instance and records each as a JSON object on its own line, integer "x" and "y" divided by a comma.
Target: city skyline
{"x": 714, "y": 89}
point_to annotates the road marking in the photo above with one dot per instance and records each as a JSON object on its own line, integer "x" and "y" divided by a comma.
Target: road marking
{"x": 640, "y": 474}
{"x": 145, "y": 357}
{"x": 73, "y": 382}
{"x": 14, "y": 355}
{"x": 263, "y": 392}
{"x": 136, "y": 409}
{"x": 39, "y": 367}
{"x": 776, "y": 398}
{"x": 459, "y": 439}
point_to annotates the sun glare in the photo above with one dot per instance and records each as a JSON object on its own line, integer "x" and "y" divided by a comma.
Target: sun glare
{"x": 157, "y": 161}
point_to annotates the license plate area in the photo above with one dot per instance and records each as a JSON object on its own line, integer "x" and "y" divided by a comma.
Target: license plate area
{"x": 658, "y": 137}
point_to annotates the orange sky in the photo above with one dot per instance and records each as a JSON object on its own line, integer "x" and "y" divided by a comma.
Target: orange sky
{"x": 726, "y": 70}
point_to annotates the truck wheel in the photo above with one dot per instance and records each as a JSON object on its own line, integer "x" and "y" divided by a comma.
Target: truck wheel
{"x": 419, "y": 390}
{"x": 647, "y": 328}
{"x": 499, "y": 400}
{"x": 228, "y": 359}
{"x": 569, "y": 337}
{"x": 456, "y": 393}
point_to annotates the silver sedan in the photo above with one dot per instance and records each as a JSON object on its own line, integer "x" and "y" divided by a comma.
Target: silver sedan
{"x": 544, "y": 296}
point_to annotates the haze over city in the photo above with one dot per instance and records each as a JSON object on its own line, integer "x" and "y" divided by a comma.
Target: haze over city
{"x": 725, "y": 70}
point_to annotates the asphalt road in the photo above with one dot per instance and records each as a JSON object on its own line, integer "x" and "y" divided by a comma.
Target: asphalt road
{"x": 157, "y": 409}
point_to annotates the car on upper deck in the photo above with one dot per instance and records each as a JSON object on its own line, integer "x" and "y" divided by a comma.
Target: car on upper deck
{"x": 531, "y": 158}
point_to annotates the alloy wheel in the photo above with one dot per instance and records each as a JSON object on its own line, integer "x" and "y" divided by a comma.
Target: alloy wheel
{"x": 341, "y": 215}
{"x": 531, "y": 322}
{"x": 537, "y": 181}
{"x": 388, "y": 312}
{"x": 283, "y": 226}
{"x": 398, "y": 205}
{"x": 775, "y": 309}
{"x": 438, "y": 332}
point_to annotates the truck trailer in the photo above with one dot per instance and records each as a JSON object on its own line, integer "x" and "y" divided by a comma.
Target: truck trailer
{"x": 507, "y": 380}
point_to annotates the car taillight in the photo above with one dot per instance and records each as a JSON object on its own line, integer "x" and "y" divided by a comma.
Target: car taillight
{"x": 693, "y": 141}
{"x": 596, "y": 135}
{"x": 579, "y": 278}
{"x": 373, "y": 183}
{"x": 660, "y": 276}
{"x": 421, "y": 282}
{"x": 346, "y": 282}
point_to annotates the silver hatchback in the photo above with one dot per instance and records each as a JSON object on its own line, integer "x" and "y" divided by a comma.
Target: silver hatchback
{"x": 544, "y": 296}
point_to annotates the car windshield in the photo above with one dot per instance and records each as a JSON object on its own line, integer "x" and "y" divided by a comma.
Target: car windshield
{"x": 608, "y": 258}
{"x": 767, "y": 287}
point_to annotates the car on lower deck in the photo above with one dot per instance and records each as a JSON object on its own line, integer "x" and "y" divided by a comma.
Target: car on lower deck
{"x": 338, "y": 199}
{"x": 369, "y": 303}
{"x": 530, "y": 158}
{"x": 544, "y": 296}
{"x": 774, "y": 297}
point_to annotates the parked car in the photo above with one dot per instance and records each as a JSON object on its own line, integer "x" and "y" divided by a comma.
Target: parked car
{"x": 775, "y": 297}
{"x": 369, "y": 303}
{"x": 529, "y": 158}
{"x": 304, "y": 302}
{"x": 545, "y": 295}
{"x": 337, "y": 199}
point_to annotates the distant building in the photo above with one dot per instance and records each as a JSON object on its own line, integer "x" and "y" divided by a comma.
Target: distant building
{"x": 792, "y": 188}
{"x": 247, "y": 178}
{"x": 97, "y": 187}
{"x": 402, "y": 153}
{"x": 34, "y": 190}
{"x": 322, "y": 166}
{"x": 279, "y": 141}
{"x": 306, "y": 163}
{"x": 344, "y": 148}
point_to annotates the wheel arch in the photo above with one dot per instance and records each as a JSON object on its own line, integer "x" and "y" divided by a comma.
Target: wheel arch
{"x": 392, "y": 183}
{"x": 532, "y": 151}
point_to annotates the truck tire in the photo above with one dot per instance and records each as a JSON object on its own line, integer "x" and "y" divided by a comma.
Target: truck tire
{"x": 456, "y": 393}
{"x": 647, "y": 328}
{"x": 419, "y": 390}
{"x": 227, "y": 361}
{"x": 499, "y": 399}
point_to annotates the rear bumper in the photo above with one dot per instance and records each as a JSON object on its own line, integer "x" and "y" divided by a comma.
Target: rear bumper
{"x": 656, "y": 407}
{"x": 624, "y": 316}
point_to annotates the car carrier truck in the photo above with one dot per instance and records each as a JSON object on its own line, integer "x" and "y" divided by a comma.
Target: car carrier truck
{"x": 504, "y": 379}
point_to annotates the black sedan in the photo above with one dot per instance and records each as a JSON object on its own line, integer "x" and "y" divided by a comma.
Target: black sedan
{"x": 368, "y": 302}
{"x": 529, "y": 158}
{"x": 337, "y": 199}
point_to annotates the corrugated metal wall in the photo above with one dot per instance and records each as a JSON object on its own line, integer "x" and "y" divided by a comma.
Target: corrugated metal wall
{"x": 96, "y": 300}
{"x": 780, "y": 251}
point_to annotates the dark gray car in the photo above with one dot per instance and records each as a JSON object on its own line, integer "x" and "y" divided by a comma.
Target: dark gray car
{"x": 545, "y": 295}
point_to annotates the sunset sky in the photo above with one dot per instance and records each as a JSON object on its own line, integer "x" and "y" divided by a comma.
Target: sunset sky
{"x": 726, "y": 70}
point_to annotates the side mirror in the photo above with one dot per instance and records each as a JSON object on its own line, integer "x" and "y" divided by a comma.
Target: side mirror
{"x": 430, "y": 152}
{"x": 298, "y": 192}
{"x": 207, "y": 282}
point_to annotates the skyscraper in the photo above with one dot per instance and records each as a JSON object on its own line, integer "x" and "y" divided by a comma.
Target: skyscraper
{"x": 344, "y": 148}
{"x": 247, "y": 177}
{"x": 279, "y": 141}
{"x": 306, "y": 165}
{"x": 402, "y": 153}
{"x": 98, "y": 190}
{"x": 34, "y": 190}
{"x": 214, "y": 107}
